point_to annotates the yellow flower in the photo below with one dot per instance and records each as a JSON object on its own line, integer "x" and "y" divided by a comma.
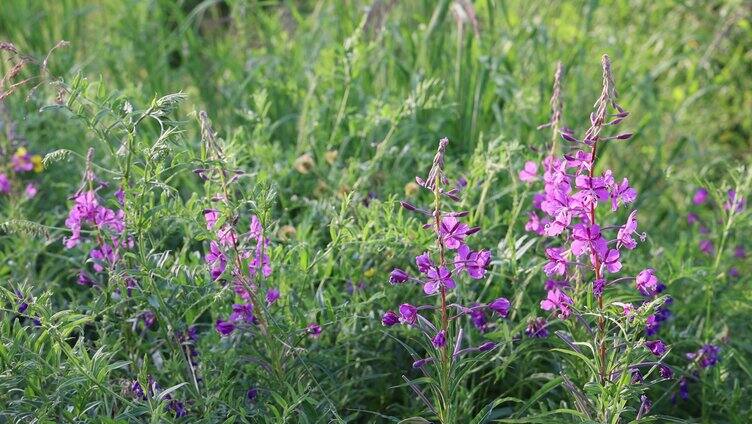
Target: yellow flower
{"x": 37, "y": 161}
{"x": 331, "y": 156}
{"x": 370, "y": 272}
{"x": 304, "y": 164}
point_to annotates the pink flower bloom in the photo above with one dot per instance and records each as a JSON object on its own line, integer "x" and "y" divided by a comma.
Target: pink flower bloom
{"x": 31, "y": 191}
{"x": 611, "y": 261}
{"x": 706, "y": 247}
{"x": 692, "y": 218}
{"x": 588, "y": 238}
{"x": 4, "y": 184}
{"x": 453, "y": 232}
{"x": 557, "y": 299}
{"x": 216, "y": 259}
{"x": 624, "y": 236}
{"x": 474, "y": 262}
{"x": 647, "y": 283}
{"x": 227, "y": 236}
{"x": 530, "y": 172}
{"x": 211, "y": 216}
{"x": 557, "y": 263}
{"x": 424, "y": 262}
{"x": 622, "y": 193}
{"x": 701, "y": 195}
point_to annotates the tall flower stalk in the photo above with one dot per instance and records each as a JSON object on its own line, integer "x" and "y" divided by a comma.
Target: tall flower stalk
{"x": 586, "y": 257}
{"x": 443, "y": 337}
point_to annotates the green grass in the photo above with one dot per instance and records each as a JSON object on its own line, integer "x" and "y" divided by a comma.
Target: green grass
{"x": 280, "y": 79}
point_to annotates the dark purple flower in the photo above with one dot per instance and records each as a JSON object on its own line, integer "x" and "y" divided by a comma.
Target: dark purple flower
{"x": 225, "y": 328}
{"x": 479, "y": 319}
{"x": 439, "y": 340}
{"x": 251, "y": 394}
{"x": 242, "y": 313}
{"x": 692, "y": 218}
{"x": 537, "y": 328}
{"x": 636, "y": 376}
{"x": 84, "y": 280}
{"x": 656, "y": 347}
{"x": 485, "y": 347}
{"x": 740, "y": 252}
{"x": 684, "y": 388}
{"x": 150, "y": 319}
{"x": 398, "y": 276}
{"x": 645, "y": 406}
{"x": 733, "y": 272}
{"x": 652, "y": 325}
{"x": 177, "y": 407}
{"x": 408, "y": 314}
{"x": 701, "y": 195}
{"x": 500, "y": 306}
{"x": 665, "y": 371}
{"x": 706, "y": 356}
{"x": 424, "y": 263}
{"x": 389, "y": 319}
{"x": 598, "y": 286}
{"x": 314, "y": 330}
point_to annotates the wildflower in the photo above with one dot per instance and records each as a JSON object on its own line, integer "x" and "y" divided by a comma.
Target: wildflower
{"x": 624, "y": 236}
{"x": 436, "y": 278}
{"x": 408, "y": 314}
{"x": 529, "y": 173}
{"x": 485, "y": 347}
{"x": 500, "y": 306}
{"x": 733, "y": 272}
{"x": 557, "y": 299}
{"x": 439, "y": 340}
{"x": 740, "y": 252}
{"x": 684, "y": 388}
{"x": 216, "y": 259}
{"x": 588, "y": 238}
{"x": 665, "y": 371}
{"x": 557, "y": 264}
{"x": 424, "y": 262}
{"x": 120, "y": 196}
{"x": 4, "y": 184}
{"x": 150, "y": 319}
{"x": 242, "y": 312}
{"x": 474, "y": 262}
{"x": 706, "y": 356}
{"x": 692, "y": 218}
{"x": 398, "y": 276}
{"x": 636, "y": 376}
{"x": 647, "y": 283}
{"x": 701, "y": 195}
{"x": 537, "y": 328}
{"x": 453, "y": 232}
{"x": 211, "y": 216}
{"x": 611, "y": 261}
{"x": 84, "y": 279}
{"x": 331, "y": 156}
{"x": 479, "y": 319}
{"x": 622, "y": 193}
{"x": 598, "y": 286}
{"x": 656, "y": 347}
{"x": 389, "y": 319}
{"x": 706, "y": 247}
{"x": 420, "y": 363}
{"x": 737, "y": 203}
{"x": 224, "y": 328}
{"x": 21, "y": 161}
{"x": 271, "y": 296}
{"x": 251, "y": 394}
{"x": 645, "y": 405}
{"x": 313, "y": 330}
{"x": 30, "y": 191}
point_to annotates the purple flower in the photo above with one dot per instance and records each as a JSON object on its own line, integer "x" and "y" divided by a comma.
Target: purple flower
{"x": 211, "y": 216}
{"x": 706, "y": 247}
{"x": 624, "y": 236}
{"x": 611, "y": 261}
{"x": 656, "y": 347}
{"x": 733, "y": 272}
{"x": 622, "y": 193}
{"x": 684, "y": 388}
{"x": 652, "y": 325}
{"x": 665, "y": 371}
{"x": 647, "y": 283}
{"x": 636, "y": 376}
{"x": 529, "y": 173}
{"x": 500, "y": 306}
{"x": 485, "y": 347}
{"x": 120, "y": 196}
{"x": 398, "y": 276}
{"x": 479, "y": 319}
{"x": 4, "y": 184}
{"x": 408, "y": 314}
{"x": 692, "y": 218}
{"x": 598, "y": 286}
{"x": 706, "y": 356}
{"x": 737, "y": 203}
{"x": 314, "y": 330}
{"x": 216, "y": 259}
{"x": 557, "y": 263}
{"x": 645, "y": 405}
{"x": 453, "y": 232}
{"x": 84, "y": 280}
{"x": 439, "y": 340}
{"x": 251, "y": 394}
{"x": 588, "y": 238}
{"x": 225, "y": 328}
{"x": 537, "y": 328}
{"x": 592, "y": 189}
{"x": 424, "y": 262}
{"x": 271, "y": 296}
{"x": 557, "y": 299}
{"x": 242, "y": 312}
{"x": 389, "y": 319}
{"x": 474, "y": 262}
{"x": 436, "y": 278}
{"x": 740, "y": 252}
{"x": 30, "y": 191}
{"x": 150, "y": 319}
{"x": 701, "y": 195}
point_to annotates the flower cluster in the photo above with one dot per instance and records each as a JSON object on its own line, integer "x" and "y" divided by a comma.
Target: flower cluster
{"x": 12, "y": 174}
{"x": 153, "y": 389}
{"x": 104, "y": 226}
{"x": 438, "y": 273}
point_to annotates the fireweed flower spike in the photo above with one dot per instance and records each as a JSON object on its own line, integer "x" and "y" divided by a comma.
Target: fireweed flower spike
{"x": 590, "y": 249}
{"x": 440, "y": 271}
